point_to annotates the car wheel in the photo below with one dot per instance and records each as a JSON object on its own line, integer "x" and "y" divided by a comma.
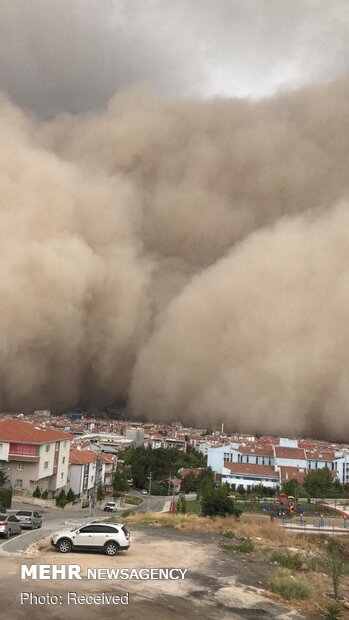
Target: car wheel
{"x": 20, "y": 530}
{"x": 111, "y": 548}
{"x": 8, "y": 534}
{"x": 64, "y": 545}
{"x": 39, "y": 526}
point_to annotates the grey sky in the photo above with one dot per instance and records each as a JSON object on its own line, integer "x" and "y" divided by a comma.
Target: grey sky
{"x": 73, "y": 55}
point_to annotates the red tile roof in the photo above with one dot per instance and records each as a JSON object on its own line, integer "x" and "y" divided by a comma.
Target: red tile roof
{"x": 251, "y": 469}
{"x": 258, "y": 450}
{"x": 290, "y": 453}
{"x": 81, "y": 457}
{"x": 25, "y": 432}
{"x": 313, "y": 455}
{"x": 293, "y": 473}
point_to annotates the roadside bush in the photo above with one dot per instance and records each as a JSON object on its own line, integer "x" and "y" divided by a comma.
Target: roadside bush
{"x": 289, "y": 587}
{"x": 70, "y": 496}
{"x": 61, "y": 500}
{"x": 44, "y": 494}
{"x": 293, "y": 561}
{"x": 37, "y": 492}
{"x": 6, "y": 497}
{"x": 229, "y": 534}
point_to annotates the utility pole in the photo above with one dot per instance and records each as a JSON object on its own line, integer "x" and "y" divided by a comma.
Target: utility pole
{"x": 98, "y": 480}
{"x": 150, "y": 475}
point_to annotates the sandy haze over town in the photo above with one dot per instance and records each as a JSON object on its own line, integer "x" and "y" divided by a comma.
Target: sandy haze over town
{"x": 171, "y": 241}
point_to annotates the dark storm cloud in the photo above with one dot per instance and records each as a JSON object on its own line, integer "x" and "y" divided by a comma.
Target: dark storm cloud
{"x": 73, "y": 55}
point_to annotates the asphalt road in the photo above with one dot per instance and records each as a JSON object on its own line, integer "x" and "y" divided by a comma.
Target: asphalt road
{"x": 54, "y": 519}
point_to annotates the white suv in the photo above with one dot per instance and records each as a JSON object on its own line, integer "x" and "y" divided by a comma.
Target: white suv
{"x": 107, "y": 537}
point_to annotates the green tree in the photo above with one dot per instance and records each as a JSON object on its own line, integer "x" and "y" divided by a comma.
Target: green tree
{"x": 216, "y": 502}
{"x": 182, "y": 504}
{"x": 120, "y": 485}
{"x": 206, "y": 482}
{"x": 4, "y": 479}
{"x": 318, "y": 482}
{"x": 37, "y": 492}
{"x": 290, "y": 487}
{"x": 100, "y": 493}
{"x": 190, "y": 483}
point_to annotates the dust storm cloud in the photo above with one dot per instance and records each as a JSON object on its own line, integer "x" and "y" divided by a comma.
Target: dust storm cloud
{"x": 189, "y": 255}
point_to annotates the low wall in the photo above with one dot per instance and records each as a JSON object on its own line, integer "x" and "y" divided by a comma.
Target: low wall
{"x": 34, "y": 501}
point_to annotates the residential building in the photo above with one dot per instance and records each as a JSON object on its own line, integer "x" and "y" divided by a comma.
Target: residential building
{"x": 34, "y": 456}
{"x": 82, "y": 472}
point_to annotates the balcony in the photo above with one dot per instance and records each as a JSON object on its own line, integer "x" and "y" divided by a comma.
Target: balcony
{"x": 24, "y": 452}
{"x": 25, "y": 458}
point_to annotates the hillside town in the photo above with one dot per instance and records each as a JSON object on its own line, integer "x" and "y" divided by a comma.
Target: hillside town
{"x": 75, "y": 451}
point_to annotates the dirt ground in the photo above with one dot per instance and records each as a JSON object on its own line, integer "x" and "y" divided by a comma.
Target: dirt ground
{"x": 217, "y": 585}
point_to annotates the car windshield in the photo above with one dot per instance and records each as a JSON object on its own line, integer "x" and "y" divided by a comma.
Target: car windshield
{"x": 23, "y": 513}
{"x": 3, "y": 518}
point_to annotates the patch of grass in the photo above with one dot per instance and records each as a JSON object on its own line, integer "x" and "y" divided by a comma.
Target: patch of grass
{"x": 333, "y": 611}
{"x": 134, "y": 501}
{"x": 244, "y": 546}
{"x": 289, "y": 587}
{"x": 293, "y": 561}
{"x": 229, "y": 534}
{"x": 193, "y": 507}
{"x": 126, "y": 513}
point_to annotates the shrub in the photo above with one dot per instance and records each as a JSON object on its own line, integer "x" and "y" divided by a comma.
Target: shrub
{"x": 70, "y": 496}
{"x": 289, "y": 587}
{"x": 61, "y": 500}
{"x": 293, "y": 561}
{"x": 37, "y": 492}
{"x": 44, "y": 494}
{"x": 228, "y": 534}
{"x": 6, "y": 497}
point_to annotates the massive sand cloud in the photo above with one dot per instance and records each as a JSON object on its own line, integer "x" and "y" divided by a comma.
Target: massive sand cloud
{"x": 189, "y": 255}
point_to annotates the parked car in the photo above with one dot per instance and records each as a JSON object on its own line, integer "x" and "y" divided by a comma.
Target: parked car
{"x": 107, "y": 537}
{"x": 110, "y": 507}
{"x": 9, "y": 525}
{"x": 29, "y": 518}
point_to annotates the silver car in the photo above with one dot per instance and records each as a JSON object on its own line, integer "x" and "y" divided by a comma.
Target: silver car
{"x": 9, "y": 524}
{"x": 29, "y": 518}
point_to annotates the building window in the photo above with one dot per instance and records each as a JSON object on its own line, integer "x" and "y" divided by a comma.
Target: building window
{"x": 62, "y": 475}
{"x": 47, "y": 448}
{"x": 46, "y": 465}
{"x": 19, "y": 465}
{"x": 63, "y": 460}
{"x": 64, "y": 444}
{"x": 19, "y": 483}
{"x": 226, "y": 457}
{"x": 1, "y": 446}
